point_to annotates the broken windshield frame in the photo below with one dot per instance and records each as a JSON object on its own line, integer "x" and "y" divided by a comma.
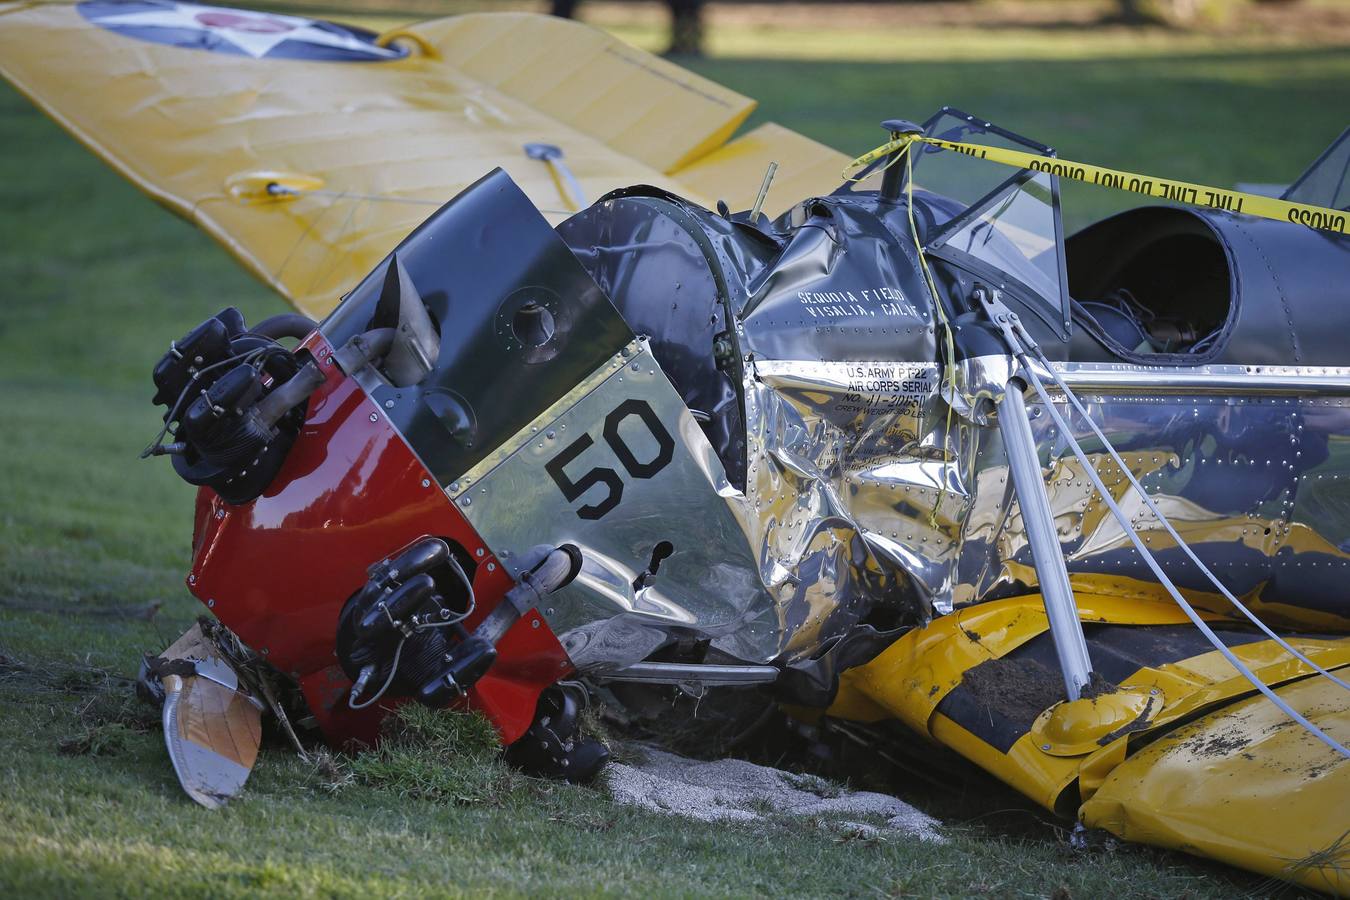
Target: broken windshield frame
{"x": 1024, "y": 258}
{"x": 954, "y": 192}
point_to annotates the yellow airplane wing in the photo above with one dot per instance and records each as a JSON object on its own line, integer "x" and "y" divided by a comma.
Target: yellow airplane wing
{"x": 310, "y": 149}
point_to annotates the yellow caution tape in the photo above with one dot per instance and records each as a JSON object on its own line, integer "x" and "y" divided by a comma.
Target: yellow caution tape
{"x": 1166, "y": 189}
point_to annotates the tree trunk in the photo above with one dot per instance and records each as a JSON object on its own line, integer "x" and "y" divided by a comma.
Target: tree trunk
{"x": 686, "y": 28}
{"x": 565, "y": 9}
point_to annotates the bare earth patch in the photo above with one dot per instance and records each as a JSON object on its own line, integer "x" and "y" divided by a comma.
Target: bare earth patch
{"x": 734, "y": 790}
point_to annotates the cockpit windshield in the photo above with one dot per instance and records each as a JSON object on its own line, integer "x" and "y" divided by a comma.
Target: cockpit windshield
{"x": 1015, "y": 233}
{"x": 1327, "y": 181}
{"x": 956, "y": 176}
{"x": 1000, "y": 223}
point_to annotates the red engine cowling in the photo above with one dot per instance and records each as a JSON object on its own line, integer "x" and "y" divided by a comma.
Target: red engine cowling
{"x": 277, "y": 570}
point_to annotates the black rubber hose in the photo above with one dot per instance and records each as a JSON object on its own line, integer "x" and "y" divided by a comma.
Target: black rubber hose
{"x": 291, "y": 325}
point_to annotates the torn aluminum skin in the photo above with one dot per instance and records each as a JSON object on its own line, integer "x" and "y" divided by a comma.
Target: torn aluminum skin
{"x": 763, "y": 583}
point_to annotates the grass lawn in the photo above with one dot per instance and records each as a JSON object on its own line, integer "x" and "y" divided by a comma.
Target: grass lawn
{"x": 94, "y": 282}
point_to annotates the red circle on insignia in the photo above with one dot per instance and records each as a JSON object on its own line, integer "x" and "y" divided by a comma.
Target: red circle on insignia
{"x": 236, "y": 22}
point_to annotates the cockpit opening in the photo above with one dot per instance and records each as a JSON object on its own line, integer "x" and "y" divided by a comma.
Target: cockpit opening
{"x": 1149, "y": 282}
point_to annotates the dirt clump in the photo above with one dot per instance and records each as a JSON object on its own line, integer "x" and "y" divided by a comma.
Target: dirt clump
{"x": 1097, "y": 686}
{"x": 1019, "y": 689}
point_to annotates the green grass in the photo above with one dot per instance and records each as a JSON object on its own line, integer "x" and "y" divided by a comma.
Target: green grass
{"x": 94, "y": 282}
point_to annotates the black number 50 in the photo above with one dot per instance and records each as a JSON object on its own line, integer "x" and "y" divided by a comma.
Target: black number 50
{"x": 636, "y": 468}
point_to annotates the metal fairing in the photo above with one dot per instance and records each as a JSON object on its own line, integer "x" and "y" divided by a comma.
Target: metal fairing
{"x": 1283, "y": 285}
{"x": 278, "y": 570}
{"x": 476, "y": 262}
{"x": 1289, "y": 293}
{"x": 667, "y": 485}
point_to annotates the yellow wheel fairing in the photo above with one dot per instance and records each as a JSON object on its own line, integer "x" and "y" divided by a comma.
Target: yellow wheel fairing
{"x": 1077, "y": 727}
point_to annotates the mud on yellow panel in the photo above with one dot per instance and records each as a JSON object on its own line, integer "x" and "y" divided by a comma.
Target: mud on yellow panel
{"x": 1245, "y": 785}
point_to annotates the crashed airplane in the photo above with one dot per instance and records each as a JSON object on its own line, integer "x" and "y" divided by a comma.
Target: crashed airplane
{"x": 594, "y": 390}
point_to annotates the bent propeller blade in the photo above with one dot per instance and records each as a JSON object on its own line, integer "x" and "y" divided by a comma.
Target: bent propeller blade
{"x": 212, "y": 734}
{"x": 212, "y": 727}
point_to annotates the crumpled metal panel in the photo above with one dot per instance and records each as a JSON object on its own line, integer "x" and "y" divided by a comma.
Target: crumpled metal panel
{"x": 728, "y": 576}
{"x": 855, "y": 448}
{"x": 845, "y": 428}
